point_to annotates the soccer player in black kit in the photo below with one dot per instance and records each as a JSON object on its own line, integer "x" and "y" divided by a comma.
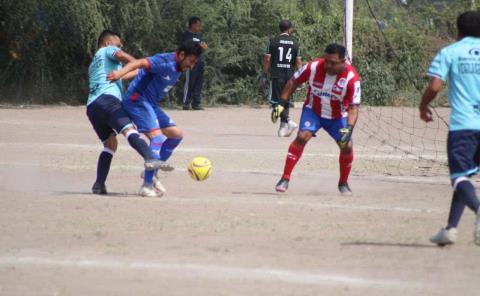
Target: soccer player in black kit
{"x": 281, "y": 60}
{"x": 194, "y": 78}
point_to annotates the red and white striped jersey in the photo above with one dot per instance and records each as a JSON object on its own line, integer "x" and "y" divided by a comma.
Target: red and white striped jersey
{"x": 329, "y": 96}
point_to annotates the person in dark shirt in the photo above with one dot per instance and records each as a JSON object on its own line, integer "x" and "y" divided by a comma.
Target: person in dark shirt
{"x": 194, "y": 77}
{"x": 281, "y": 59}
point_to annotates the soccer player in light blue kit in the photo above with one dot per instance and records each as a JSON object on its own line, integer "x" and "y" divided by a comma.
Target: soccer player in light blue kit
{"x": 104, "y": 108}
{"x": 158, "y": 74}
{"x": 459, "y": 63}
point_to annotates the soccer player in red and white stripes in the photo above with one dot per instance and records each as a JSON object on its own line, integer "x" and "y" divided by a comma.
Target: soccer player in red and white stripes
{"x": 332, "y": 103}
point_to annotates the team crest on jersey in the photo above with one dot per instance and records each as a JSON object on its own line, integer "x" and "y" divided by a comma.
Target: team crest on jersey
{"x": 342, "y": 82}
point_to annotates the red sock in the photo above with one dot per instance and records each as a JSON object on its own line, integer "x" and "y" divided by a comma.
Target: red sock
{"x": 345, "y": 160}
{"x": 294, "y": 153}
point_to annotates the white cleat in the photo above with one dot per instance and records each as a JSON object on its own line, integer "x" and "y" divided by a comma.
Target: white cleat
{"x": 476, "y": 234}
{"x": 445, "y": 237}
{"x": 287, "y": 128}
{"x": 148, "y": 191}
{"x": 158, "y": 186}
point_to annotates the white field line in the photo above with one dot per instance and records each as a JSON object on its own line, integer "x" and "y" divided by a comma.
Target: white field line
{"x": 214, "y": 272}
{"x": 98, "y": 147}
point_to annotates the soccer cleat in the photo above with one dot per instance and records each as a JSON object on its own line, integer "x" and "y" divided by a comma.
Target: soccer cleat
{"x": 197, "y": 108}
{"x": 149, "y": 191}
{"x": 186, "y": 107}
{"x": 99, "y": 189}
{"x": 158, "y": 164}
{"x": 282, "y": 185}
{"x": 344, "y": 189}
{"x": 445, "y": 237}
{"x": 158, "y": 186}
{"x": 287, "y": 128}
{"x": 476, "y": 234}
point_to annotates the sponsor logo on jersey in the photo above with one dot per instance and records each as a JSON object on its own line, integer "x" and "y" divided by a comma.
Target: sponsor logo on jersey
{"x": 474, "y": 51}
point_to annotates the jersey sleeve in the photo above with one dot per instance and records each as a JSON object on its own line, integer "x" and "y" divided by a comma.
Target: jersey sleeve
{"x": 354, "y": 92}
{"x": 440, "y": 65}
{"x": 110, "y": 52}
{"x": 157, "y": 65}
{"x": 303, "y": 74}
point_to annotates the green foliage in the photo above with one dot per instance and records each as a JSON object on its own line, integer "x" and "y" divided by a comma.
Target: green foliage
{"x": 47, "y": 45}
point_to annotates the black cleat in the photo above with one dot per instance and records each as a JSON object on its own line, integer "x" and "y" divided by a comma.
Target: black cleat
{"x": 197, "y": 108}
{"x": 282, "y": 185}
{"x": 99, "y": 188}
{"x": 186, "y": 107}
{"x": 344, "y": 189}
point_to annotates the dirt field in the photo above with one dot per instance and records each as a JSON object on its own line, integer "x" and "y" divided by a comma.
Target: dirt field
{"x": 232, "y": 234}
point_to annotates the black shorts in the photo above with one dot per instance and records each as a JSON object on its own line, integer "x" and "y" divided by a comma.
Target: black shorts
{"x": 107, "y": 116}
{"x": 463, "y": 149}
{"x": 276, "y": 87}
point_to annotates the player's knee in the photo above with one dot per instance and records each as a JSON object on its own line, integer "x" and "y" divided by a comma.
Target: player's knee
{"x": 111, "y": 143}
{"x": 172, "y": 132}
{"x": 347, "y": 149}
{"x": 303, "y": 137}
{"x": 457, "y": 181}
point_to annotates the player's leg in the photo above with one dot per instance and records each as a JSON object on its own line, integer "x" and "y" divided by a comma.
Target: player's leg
{"x": 309, "y": 125}
{"x": 187, "y": 93}
{"x": 345, "y": 158}
{"x": 97, "y": 114}
{"x": 143, "y": 115}
{"x": 462, "y": 150}
{"x": 287, "y": 126}
{"x": 197, "y": 86}
{"x": 173, "y": 134}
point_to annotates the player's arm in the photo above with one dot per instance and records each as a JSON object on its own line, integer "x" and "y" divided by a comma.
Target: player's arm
{"x": 123, "y": 57}
{"x": 298, "y": 63}
{"x": 352, "y": 115}
{"x": 288, "y": 91}
{"x": 132, "y": 66}
{"x": 267, "y": 58}
{"x": 429, "y": 95}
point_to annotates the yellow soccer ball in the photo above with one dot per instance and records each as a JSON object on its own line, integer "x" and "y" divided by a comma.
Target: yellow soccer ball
{"x": 200, "y": 168}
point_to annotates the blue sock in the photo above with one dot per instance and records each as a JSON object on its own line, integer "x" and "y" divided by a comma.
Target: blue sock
{"x": 456, "y": 211}
{"x": 139, "y": 145}
{"x": 155, "y": 147}
{"x": 103, "y": 165}
{"x": 168, "y": 147}
{"x": 466, "y": 192}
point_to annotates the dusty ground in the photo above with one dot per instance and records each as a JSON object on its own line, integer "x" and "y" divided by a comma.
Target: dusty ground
{"x": 232, "y": 234}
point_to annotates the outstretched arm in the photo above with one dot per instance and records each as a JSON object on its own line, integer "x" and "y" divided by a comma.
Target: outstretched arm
{"x": 428, "y": 96}
{"x": 288, "y": 90}
{"x": 136, "y": 64}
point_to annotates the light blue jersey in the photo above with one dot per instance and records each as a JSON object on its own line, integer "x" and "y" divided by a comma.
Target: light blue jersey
{"x": 103, "y": 63}
{"x": 460, "y": 64}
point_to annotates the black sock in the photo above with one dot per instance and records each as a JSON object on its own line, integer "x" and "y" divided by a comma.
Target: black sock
{"x": 140, "y": 146}
{"x": 456, "y": 211}
{"x": 466, "y": 192}
{"x": 103, "y": 166}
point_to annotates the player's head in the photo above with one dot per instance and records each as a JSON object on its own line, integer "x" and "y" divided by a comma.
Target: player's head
{"x": 187, "y": 55}
{"x": 334, "y": 59}
{"x": 194, "y": 24}
{"x": 468, "y": 24}
{"x": 286, "y": 26}
{"x": 108, "y": 37}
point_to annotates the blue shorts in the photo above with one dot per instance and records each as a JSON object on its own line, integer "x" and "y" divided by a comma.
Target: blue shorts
{"x": 107, "y": 116}
{"x": 146, "y": 116}
{"x": 312, "y": 122}
{"x": 463, "y": 149}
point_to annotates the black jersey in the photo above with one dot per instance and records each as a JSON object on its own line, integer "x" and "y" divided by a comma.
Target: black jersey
{"x": 284, "y": 50}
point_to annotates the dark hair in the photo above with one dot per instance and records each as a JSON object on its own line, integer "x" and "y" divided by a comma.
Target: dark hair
{"x": 105, "y": 35}
{"x": 285, "y": 25}
{"x": 193, "y": 20}
{"x": 468, "y": 24}
{"x": 190, "y": 47}
{"x": 335, "y": 48}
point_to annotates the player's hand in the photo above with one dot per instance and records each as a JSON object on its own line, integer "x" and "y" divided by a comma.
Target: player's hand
{"x": 204, "y": 45}
{"x": 346, "y": 133}
{"x": 426, "y": 113}
{"x": 263, "y": 82}
{"x": 113, "y": 76}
